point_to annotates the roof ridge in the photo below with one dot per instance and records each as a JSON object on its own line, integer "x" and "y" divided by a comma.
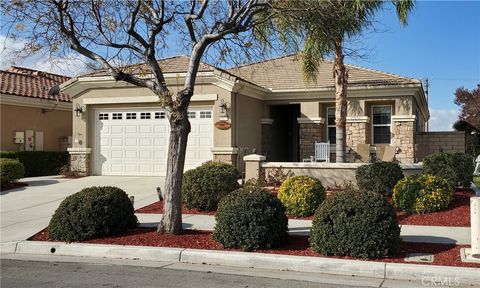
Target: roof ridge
{"x": 381, "y": 72}
{"x": 263, "y": 61}
{"x": 34, "y": 70}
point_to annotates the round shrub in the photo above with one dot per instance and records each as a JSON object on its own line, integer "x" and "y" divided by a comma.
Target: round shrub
{"x": 10, "y": 171}
{"x": 301, "y": 195}
{"x": 422, "y": 194}
{"x": 250, "y": 218}
{"x": 456, "y": 168}
{"x": 355, "y": 223}
{"x": 204, "y": 186}
{"x": 379, "y": 177}
{"x": 92, "y": 212}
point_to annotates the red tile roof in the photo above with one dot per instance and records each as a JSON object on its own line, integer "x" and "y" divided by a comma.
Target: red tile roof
{"x": 31, "y": 83}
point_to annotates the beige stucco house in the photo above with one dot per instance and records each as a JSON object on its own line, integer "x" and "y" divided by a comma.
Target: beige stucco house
{"x": 264, "y": 108}
{"x": 32, "y": 119}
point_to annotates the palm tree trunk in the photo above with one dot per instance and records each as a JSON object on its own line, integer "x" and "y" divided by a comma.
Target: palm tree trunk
{"x": 171, "y": 222}
{"x": 340, "y": 78}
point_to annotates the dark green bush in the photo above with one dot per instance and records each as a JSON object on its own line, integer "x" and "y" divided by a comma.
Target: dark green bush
{"x": 10, "y": 171}
{"x": 422, "y": 194}
{"x": 39, "y": 163}
{"x": 379, "y": 177}
{"x": 355, "y": 223}
{"x": 456, "y": 168}
{"x": 301, "y": 195}
{"x": 92, "y": 212}
{"x": 250, "y": 218}
{"x": 204, "y": 186}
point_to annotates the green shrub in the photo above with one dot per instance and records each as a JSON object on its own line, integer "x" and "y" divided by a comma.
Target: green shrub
{"x": 10, "y": 171}
{"x": 92, "y": 212}
{"x": 379, "y": 177}
{"x": 250, "y": 218}
{"x": 456, "y": 168}
{"x": 39, "y": 163}
{"x": 422, "y": 194}
{"x": 301, "y": 195}
{"x": 355, "y": 223}
{"x": 204, "y": 186}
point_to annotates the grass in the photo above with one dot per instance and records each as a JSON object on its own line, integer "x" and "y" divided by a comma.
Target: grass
{"x": 476, "y": 180}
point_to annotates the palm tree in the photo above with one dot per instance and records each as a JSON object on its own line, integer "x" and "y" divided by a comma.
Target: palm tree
{"x": 323, "y": 26}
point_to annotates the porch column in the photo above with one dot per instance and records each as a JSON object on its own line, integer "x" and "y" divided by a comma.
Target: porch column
{"x": 80, "y": 161}
{"x": 403, "y": 129}
{"x": 310, "y": 130}
{"x": 357, "y": 132}
{"x": 266, "y": 136}
{"x": 253, "y": 166}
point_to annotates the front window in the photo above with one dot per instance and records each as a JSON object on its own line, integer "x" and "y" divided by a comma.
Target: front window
{"x": 331, "y": 130}
{"x": 381, "y": 124}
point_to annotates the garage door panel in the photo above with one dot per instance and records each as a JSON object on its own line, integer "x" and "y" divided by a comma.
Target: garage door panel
{"x": 135, "y": 142}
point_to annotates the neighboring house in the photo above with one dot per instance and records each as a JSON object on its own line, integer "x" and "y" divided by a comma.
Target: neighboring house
{"x": 265, "y": 108}
{"x": 31, "y": 118}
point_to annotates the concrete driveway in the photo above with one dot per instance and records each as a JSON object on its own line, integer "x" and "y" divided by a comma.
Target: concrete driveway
{"x": 27, "y": 210}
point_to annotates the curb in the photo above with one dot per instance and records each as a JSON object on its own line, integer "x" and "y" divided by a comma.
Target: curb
{"x": 343, "y": 267}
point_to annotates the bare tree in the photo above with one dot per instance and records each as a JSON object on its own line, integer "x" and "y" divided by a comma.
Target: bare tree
{"x": 115, "y": 32}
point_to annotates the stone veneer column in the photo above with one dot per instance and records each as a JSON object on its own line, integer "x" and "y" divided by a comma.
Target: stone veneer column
{"x": 266, "y": 136}
{"x": 225, "y": 155}
{"x": 80, "y": 160}
{"x": 357, "y": 131}
{"x": 310, "y": 130}
{"x": 403, "y": 129}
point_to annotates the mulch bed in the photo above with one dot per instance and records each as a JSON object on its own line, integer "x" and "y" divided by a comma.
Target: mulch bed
{"x": 457, "y": 214}
{"x": 13, "y": 185}
{"x": 296, "y": 245}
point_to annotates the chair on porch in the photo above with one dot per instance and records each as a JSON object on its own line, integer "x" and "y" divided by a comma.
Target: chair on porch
{"x": 363, "y": 151}
{"x": 388, "y": 154}
{"x": 322, "y": 151}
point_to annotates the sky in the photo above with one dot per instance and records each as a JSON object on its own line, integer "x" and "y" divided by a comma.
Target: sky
{"x": 441, "y": 42}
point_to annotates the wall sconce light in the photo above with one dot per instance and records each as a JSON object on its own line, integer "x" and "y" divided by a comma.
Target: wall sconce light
{"x": 79, "y": 110}
{"x": 223, "y": 106}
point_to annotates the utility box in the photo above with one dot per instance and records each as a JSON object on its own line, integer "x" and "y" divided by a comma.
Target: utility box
{"x": 19, "y": 138}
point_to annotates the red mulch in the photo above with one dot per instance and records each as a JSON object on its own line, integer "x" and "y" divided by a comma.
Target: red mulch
{"x": 457, "y": 214}
{"x": 296, "y": 245}
{"x": 13, "y": 185}
{"x": 157, "y": 207}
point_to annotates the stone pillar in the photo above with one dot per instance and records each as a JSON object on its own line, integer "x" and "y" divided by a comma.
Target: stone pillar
{"x": 225, "y": 155}
{"x": 310, "y": 130}
{"x": 266, "y": 136}
{"x": 403, "y": 129}
{"x": 357, "y": 132}
{"x": 253, "y": 166}
{"x": 80, "y": 161}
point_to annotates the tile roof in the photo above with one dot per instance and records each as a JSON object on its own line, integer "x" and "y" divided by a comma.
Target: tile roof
{"x": 31, "y": 83}
{"x": 285, "y": 73}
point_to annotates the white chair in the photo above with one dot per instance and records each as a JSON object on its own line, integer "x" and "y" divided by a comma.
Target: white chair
{"x": 322, "y": 151}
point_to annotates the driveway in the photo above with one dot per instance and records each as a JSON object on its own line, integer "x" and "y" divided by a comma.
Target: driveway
{"x": 27, "y": 210}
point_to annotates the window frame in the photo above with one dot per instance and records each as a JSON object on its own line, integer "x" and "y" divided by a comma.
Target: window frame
{"x": 381, "y": 125}
{"x": 330, "y": 126}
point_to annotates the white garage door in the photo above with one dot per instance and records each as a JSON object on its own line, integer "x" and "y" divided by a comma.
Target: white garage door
{"x": 135, "y": 142}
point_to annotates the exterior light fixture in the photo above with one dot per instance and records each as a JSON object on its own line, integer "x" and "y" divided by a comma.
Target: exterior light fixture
{"x": 223, "y": 106}
{"x": 79, "y": 110}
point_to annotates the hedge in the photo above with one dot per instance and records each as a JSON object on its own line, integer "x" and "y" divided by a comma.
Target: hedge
{"x": 39, "y": 163}
{"x": 10, "y": 171}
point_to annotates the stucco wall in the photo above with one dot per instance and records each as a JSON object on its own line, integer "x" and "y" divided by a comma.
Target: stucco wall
{"x": 53, "y": 123}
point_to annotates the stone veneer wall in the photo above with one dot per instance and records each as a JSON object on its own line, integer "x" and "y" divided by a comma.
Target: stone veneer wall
{"x": 226, "y": 158}
{"x": 357, "y": 133}
{"x": 432, "y": 142}
{"x": 403, "y": 138}
{"x": 266, "y": 139}
{"x": 80, "y": 164}
{"x": 309, "y": 133}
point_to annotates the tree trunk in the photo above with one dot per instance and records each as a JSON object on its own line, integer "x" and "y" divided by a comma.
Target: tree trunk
{"x": 171, "y": 222}
{"x": 340, "y": 78}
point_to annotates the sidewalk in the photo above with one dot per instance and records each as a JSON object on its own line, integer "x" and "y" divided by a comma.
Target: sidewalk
{"x": 409, "y": 233}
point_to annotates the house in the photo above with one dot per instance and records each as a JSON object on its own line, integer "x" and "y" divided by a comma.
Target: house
{"x": 265, "y": 108}
{"x": 33, "y": 116}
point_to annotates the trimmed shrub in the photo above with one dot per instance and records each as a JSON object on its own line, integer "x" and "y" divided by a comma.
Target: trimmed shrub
{"x": 456, "y": 168}
{"x": 357, "y": 224}
{"x": 422, "y": 194}
{"x": 92, "y": 212}
{"x": 39, "y": 163}
{"x": 379, "y": 177}
{"x": 301, "y": 195}
{"x": 250, "y": 218}
{"x": 10, "y": 171}
{"x": 204, "y": 186}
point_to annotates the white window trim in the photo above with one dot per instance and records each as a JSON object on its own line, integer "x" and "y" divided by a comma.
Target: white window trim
{"x": 329, "y": 126}
{"x": 381, "y": 125}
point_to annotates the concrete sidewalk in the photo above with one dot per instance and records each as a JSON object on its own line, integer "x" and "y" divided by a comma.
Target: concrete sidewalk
{"x": 409, "y": 233}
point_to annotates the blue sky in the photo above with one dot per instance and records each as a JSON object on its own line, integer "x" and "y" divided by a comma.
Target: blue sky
{"x": 441, "y": 42}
